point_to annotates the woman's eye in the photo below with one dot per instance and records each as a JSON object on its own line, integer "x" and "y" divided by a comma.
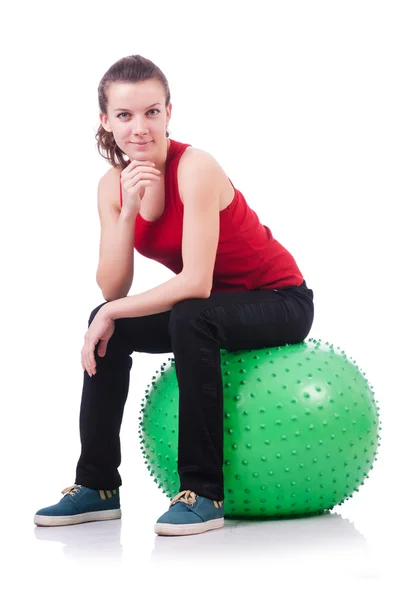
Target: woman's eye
{"x": 124, "y": 113}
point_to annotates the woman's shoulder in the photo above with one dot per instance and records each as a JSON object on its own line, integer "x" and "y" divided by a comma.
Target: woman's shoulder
{"x": 212, "y": 171}
{"x": 193, "y": 157}
{"x": 112, "y": 173}
{"x": 116, "y": 170}
{"x": 192, "y": 154}
{"x": 109, "y": 186}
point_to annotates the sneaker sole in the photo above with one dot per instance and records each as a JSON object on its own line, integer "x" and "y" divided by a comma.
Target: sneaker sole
{"x": 188, "y": 528}
{"x": 100, "y": 515}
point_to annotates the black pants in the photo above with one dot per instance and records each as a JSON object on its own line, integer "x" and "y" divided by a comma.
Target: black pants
{"x": 194, "y": 330}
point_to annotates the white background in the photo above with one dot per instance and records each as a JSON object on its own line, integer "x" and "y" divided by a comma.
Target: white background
{"x": 297, "y": 102}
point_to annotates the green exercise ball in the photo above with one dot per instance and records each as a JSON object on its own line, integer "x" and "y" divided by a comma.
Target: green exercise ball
{"x": 300, "y": 429}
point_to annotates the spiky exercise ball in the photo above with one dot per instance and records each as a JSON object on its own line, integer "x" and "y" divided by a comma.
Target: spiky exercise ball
{"x": 300, "y": 429}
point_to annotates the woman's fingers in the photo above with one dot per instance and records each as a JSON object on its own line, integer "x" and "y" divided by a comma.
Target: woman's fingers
{"x": 87, "y": 359}
{"x": 90, "y": 360}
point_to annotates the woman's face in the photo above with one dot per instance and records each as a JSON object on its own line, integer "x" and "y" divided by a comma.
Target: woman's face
{"x": 137, "y": 113}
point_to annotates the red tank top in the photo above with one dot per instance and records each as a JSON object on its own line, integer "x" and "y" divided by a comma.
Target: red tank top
{"x": 248, "y": 257}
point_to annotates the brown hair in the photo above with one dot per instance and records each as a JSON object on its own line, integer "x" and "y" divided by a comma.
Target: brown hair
{"x": 130, "y": 69}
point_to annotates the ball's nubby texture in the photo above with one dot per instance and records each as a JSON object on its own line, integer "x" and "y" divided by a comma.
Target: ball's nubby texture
{"x": 301, "y": 429}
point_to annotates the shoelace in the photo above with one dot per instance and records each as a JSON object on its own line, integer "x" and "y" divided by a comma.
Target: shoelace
{"x": 189, "y": 497}
{"x": 71, "y": 490}
{"x": 74, "y": 489}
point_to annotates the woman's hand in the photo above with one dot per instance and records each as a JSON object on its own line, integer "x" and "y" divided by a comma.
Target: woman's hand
{"x": 101, "y": 330}
{"x": 135, "y": 178}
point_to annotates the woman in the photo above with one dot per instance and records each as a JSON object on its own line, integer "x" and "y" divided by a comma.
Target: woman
{"x": 235, "y": 287}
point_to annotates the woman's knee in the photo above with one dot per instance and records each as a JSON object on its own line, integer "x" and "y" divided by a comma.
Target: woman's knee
{"x": 94, "y": 312}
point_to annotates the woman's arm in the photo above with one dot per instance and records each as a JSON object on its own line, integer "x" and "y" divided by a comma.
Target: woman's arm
{"x": 156, "y": 300}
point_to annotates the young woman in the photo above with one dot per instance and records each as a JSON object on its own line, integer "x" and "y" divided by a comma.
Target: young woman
{"x": 235, "y": 287}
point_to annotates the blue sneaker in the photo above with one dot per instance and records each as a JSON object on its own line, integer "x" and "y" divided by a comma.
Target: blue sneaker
{"x": 79, "y": 505}
{"x": 190, "y": 513}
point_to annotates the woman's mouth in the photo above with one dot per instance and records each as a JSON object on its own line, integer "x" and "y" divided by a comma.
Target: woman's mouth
{"x": 141, "y": 145}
